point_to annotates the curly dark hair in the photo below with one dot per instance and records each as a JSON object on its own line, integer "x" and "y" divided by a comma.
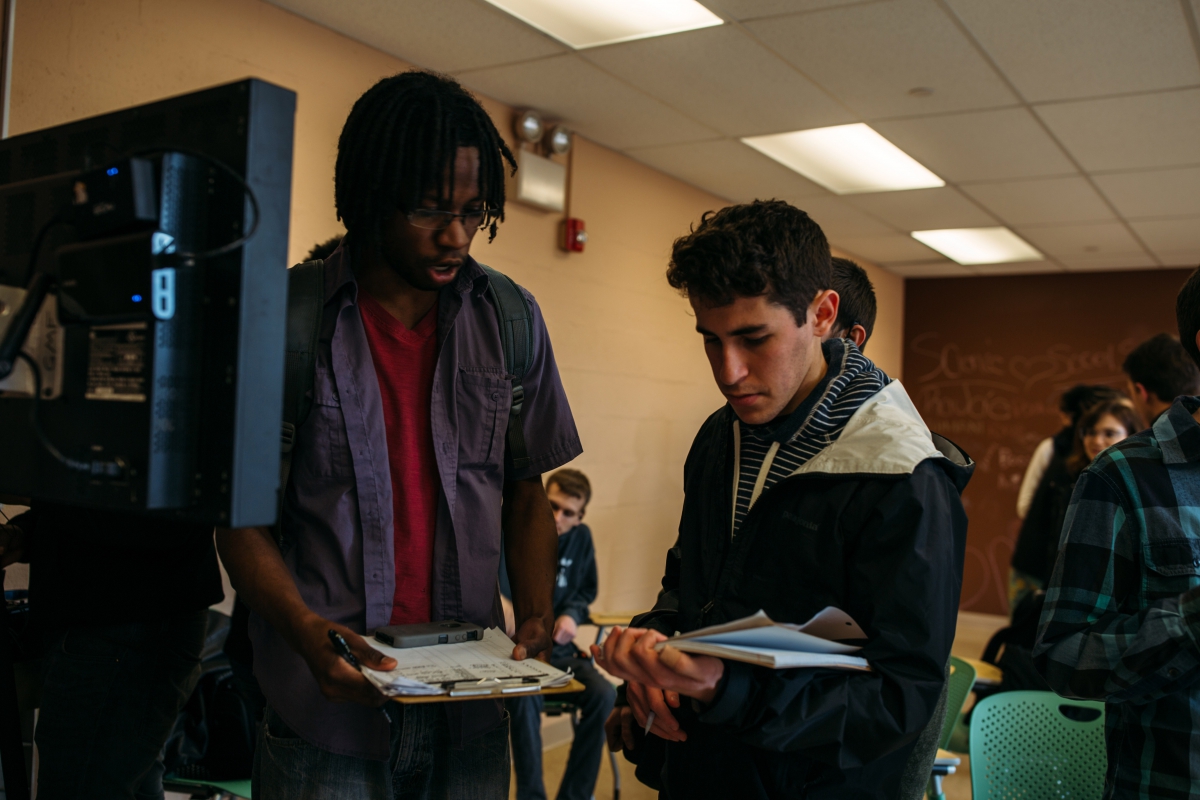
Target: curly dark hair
{"x": 400, "y": 141}
{"x": 762, "y": 248}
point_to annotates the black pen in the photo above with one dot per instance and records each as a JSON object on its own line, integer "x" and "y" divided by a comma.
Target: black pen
{"x": 343, "y": 649}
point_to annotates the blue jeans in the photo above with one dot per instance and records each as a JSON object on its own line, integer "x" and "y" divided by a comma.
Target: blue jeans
{"x": 110, "y": 696}
{"x": 422, "y": 764}
{"x": 583, "y": 765}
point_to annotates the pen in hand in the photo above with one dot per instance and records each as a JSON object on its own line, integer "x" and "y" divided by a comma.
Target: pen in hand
{"x": 343, "y": 649}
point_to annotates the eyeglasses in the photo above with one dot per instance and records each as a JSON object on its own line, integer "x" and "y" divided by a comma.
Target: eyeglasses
{"x": 436, "y": 220}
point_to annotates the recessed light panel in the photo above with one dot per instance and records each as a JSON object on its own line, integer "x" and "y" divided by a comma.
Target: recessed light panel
{"x": 592, "y": 23}
{"x": 979, "y": 245}
{"x": 846, "y": 159}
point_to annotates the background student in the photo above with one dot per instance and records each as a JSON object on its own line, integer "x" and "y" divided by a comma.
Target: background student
{"x": 1122, "y": 616}
{"x": 569, "y": 492}
{"x": 1159, "y": 370}
{"x": 856, "y": 305}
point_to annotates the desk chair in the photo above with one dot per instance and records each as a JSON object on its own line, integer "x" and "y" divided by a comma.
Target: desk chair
{"x": 210, "y": 790}
{"x": 960, "y": 683}
{"x": 1036, "y": 744}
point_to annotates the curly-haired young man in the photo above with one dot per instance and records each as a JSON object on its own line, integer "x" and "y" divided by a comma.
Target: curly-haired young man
{"x": 816, "y": 485}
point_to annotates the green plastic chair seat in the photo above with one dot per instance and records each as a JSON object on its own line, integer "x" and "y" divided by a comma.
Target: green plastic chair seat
{"x": 962, "y": 679}
{"x": 1022, "y": 746}
{"x": 235, "y": 788}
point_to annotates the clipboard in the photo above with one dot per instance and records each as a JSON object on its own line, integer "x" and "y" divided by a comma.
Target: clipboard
{"x": 497, "y": 693}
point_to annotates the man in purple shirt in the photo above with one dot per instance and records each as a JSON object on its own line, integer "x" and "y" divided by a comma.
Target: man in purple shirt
{"x": 420, "y": 169}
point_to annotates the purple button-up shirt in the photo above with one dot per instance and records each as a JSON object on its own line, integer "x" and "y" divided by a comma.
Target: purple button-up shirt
{"x": 337, "y": 516}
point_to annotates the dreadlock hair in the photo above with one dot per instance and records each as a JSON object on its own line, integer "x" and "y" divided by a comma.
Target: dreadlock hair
{"x": 400, "y": 141}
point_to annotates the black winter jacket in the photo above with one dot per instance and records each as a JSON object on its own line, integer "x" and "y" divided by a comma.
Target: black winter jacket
{"x": 872, "y": 525}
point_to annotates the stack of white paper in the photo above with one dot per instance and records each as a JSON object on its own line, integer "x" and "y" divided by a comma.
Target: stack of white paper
{"x": 757, "y": 639}
{"x": 481, "y": 667}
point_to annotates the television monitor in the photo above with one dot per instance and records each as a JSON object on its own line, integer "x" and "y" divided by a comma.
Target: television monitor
{"x": 144, "y": 252}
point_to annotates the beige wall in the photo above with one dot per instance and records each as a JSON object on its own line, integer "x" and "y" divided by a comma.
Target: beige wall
{"x": 631, "y": 363}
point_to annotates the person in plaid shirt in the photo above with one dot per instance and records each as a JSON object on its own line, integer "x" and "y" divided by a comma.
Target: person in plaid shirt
{"x": 1122, "y": 616}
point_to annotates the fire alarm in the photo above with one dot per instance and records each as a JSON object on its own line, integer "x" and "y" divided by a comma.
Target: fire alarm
{"x": 574, "y": 235}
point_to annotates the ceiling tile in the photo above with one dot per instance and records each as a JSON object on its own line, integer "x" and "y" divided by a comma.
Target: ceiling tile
{"x": 982, "y": 145}
{"x": 1178, "y": 237}
{"x": 1162, "y": 193}
{"x": 1056, "y": 49}
{"x": 931, "y": 269}
{"x": 1108, "y": 263}
{"x": 1017, "y": 268}
{"x": 870, "y": 56}
{"x": 1082, "y": 241}
{"x": 1154, "y": 130}
{"x": 838, "y": 219}
{"x": 887, "y": 249}
{"x": 599, "y": 106}
{"x": 752, "y": 9}
{"x": 445, "y": 35}
{"x": 923, "y": 209}
{"x": 723, "y": 78}
{"x": 729, "y": 169}
{"x": 1042, "y": 201}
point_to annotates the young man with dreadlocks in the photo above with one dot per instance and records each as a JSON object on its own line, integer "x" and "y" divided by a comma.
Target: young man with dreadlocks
{"x": 401, "y": 480}
{"x": 817, "y": 485}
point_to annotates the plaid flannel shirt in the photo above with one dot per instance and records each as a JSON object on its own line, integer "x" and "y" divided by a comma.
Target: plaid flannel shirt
{"x": 1122, "y": 616}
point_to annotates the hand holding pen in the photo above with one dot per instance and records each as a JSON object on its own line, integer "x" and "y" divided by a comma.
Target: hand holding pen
{"x": 336, "y": 655}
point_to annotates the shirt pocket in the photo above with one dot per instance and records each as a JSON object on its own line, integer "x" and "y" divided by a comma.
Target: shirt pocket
{"x": 325, "y": 448}
{"x": 483, "y": 403}
{"x": 1172, "y": 566}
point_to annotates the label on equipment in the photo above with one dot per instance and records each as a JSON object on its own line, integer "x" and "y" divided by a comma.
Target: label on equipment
{"x": 117, "y": 363}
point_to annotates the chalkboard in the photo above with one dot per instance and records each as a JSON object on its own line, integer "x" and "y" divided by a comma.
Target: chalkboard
{"x": 985, "y": 360}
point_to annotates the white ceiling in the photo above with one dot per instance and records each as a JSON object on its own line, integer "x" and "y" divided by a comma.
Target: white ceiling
{"x": 1074, "y": 122}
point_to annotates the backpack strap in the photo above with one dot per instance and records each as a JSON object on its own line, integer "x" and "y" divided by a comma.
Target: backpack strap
{"x": 516, "y": 336}
{"x": 306, "y": 300}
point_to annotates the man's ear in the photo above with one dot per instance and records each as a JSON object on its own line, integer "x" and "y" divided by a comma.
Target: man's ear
{"x": 824, "y": 308}
{"x": 859, "y": 334}
{"x": 1142, "y": 392}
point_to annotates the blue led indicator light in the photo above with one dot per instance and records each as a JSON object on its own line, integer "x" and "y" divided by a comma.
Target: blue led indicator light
{"x": 112, "y": 170}
{"x": 137, "y": 298}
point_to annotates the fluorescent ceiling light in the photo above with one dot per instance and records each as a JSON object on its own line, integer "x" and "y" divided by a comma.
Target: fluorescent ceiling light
{"x": 846, "y": 159}
{"x": 592, "y": 23}
{"x": 979, "y": 245}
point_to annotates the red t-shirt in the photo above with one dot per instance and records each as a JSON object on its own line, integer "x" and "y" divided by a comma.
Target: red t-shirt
{"x": 404, "y": 363}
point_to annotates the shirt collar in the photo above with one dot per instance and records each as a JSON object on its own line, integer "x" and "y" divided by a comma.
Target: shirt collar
{"x": 339, "y": 274}
{"x": 1177, "y": 432}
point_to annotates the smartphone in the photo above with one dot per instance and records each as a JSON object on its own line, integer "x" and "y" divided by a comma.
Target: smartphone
{"x": 422, "y": 634}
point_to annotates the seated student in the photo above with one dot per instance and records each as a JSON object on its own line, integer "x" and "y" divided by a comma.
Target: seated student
{"x": 574, "y": 588}
{"x": 856, "y": 303}
{"x": 1121, "y": 622}
{"x": 816, "y": 485}
{"x": 1159, "y": 370}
